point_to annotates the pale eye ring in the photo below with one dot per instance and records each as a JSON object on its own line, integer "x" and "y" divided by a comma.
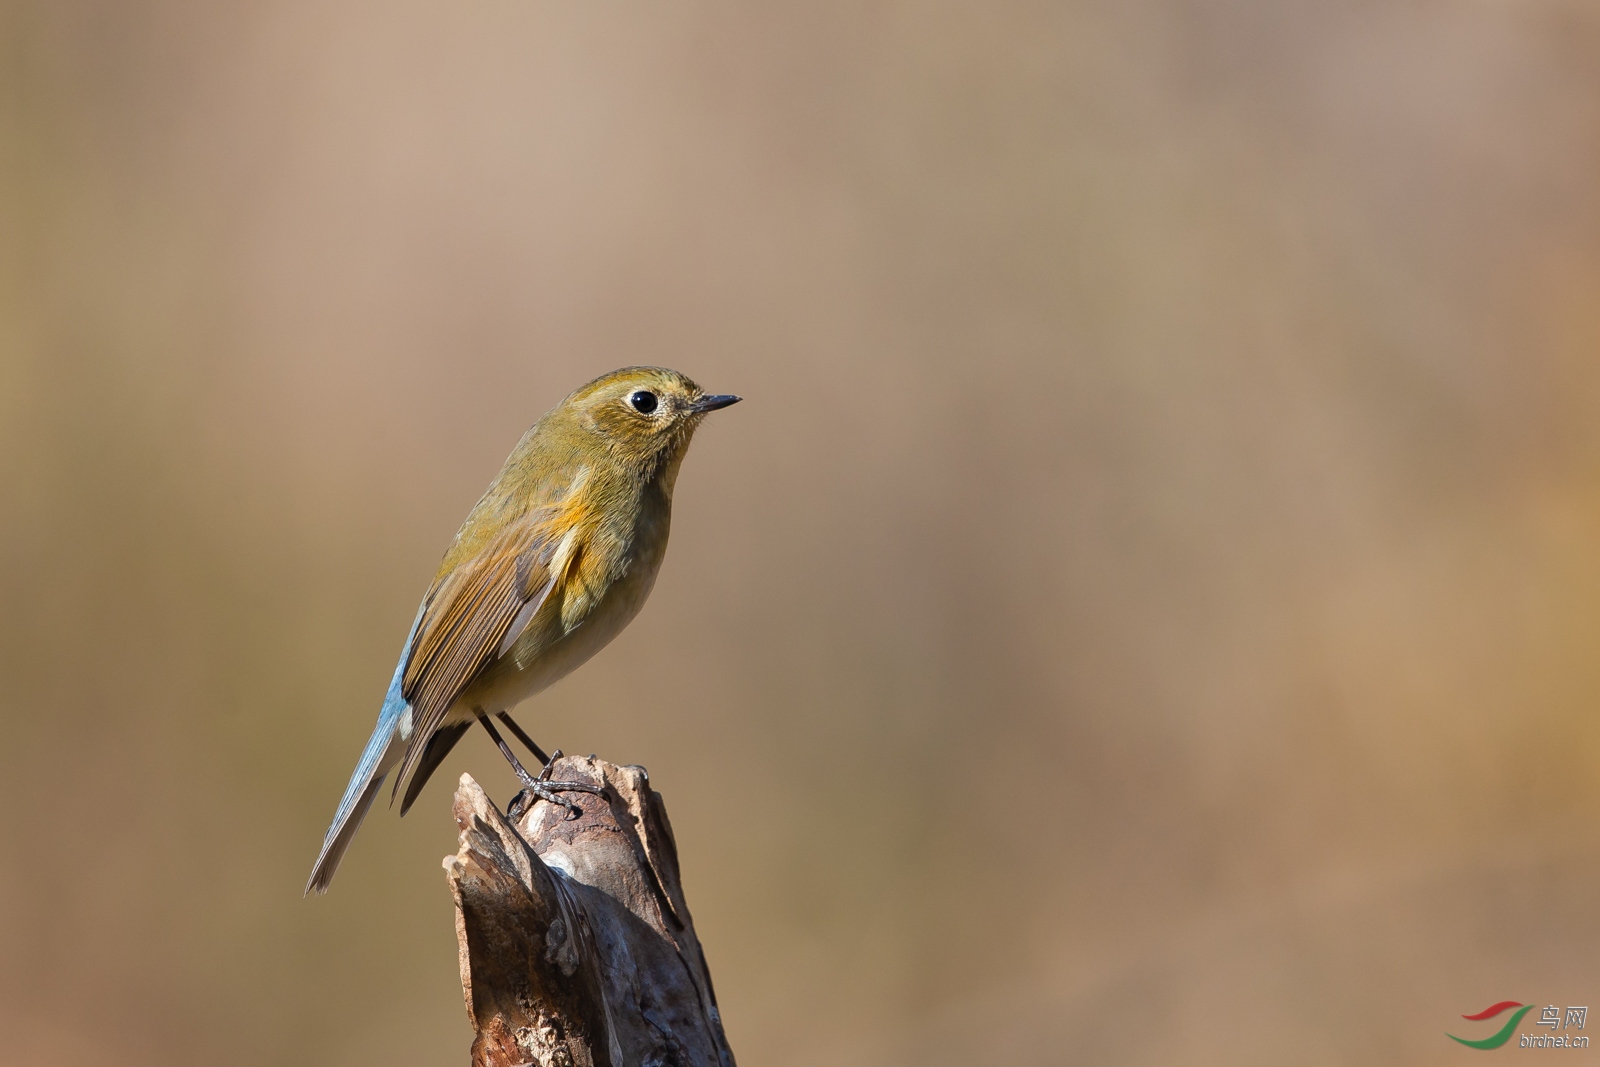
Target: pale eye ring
{"x": 643, "y": 401}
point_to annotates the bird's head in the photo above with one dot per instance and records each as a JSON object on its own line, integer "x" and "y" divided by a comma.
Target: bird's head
{"x": 644, "y": 415}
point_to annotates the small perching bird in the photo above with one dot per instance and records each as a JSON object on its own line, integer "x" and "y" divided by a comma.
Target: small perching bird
{"x": 554, "y": 560}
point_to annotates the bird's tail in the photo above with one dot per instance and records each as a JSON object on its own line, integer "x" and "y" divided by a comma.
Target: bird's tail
{"x": 383, "y": 751}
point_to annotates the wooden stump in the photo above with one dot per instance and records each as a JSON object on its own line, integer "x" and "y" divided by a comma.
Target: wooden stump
{"x": 577, "y": 949}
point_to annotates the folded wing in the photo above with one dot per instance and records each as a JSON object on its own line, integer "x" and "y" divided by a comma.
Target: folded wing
{"x": 469, "y": 616}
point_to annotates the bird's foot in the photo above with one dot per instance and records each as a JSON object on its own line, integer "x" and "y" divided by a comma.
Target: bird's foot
{"x": 542, "y": 788}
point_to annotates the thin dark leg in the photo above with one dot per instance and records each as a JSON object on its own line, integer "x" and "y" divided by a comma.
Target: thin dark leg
{"x": 522, "y": 736}
{"x": 536, "y": 788}
{"x": 505, "y": 750}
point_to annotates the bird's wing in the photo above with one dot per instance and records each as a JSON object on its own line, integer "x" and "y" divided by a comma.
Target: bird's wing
{"x": 470, "y": 612}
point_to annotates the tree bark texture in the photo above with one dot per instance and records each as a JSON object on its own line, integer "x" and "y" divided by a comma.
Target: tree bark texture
{"x": 576, "y": 947}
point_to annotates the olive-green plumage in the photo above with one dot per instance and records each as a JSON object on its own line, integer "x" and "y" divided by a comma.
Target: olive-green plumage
{"x": 554, "y": 560}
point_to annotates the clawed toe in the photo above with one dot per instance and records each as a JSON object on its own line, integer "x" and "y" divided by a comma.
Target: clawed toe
{"x": 543, "y": 789}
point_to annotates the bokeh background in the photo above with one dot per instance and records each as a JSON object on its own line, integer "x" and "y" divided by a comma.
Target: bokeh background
{"x": 1147, "y": 610}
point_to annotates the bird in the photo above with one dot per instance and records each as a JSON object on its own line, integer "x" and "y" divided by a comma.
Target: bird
{"x": 554, "y": 560}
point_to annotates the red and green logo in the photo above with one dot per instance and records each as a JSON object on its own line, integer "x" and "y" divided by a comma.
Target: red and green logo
{"x": 1500, "y": 1036}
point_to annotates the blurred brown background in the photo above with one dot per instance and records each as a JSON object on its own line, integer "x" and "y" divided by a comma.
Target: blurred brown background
{"x": 1146, "y": 611}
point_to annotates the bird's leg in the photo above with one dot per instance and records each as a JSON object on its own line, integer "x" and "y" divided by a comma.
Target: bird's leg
{"x": 522, "y": 736}
{"x": 505, "y": 750}
{"x": 540, "y": 787}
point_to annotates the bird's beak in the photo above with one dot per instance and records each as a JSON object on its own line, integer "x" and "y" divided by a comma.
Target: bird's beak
{"x": 712, "y": 403}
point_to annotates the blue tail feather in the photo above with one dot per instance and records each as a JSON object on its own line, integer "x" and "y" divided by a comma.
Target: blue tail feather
{"x": 383, "y": 751}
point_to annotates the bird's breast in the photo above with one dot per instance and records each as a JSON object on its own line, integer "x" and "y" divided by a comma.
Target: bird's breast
{"x": 598, "y": 599}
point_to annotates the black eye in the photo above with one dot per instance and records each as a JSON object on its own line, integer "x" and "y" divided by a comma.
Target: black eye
{"x": 644, "y": 401}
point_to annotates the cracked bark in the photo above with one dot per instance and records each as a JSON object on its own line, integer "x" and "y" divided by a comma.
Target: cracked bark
{"x": 576, "y": 946}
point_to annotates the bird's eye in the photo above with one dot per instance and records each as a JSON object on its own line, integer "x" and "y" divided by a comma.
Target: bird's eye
{"x": 644, "y": 401}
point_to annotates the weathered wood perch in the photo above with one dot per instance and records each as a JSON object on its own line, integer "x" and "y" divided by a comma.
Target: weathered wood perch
{"x": 577, "y": 949}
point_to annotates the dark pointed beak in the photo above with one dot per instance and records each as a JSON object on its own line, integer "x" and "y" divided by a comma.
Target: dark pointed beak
{"x": 712, "y": 403}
